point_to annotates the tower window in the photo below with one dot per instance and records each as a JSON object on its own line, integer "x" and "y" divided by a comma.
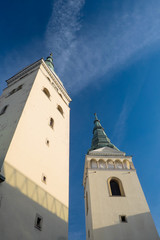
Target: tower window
{"x": 110, "y": 164}
{"x": 60, "y": 95}
{"x": 88, "y": 233}
{"x": 49, "y": 79}
{"x": 86, "y": 203}
{"x": 102, "y": 164}
{"x": 118, "y": 164}
{"x": 47, "y": 142}
{"x": 132, "y": 166}
{"x": 19, "y": 88}
{"x": 38, "y": 222}
{"x": 47, "y": 93}
{"x": 44, "y": 179}
{"x": 2, "y": 179}
{"x": 94, "y": 164}
{"x": 15, "y": 90}
{"x": 115, "y": 187}
{"x": 123, "y": 218}
{"x": 51, "y": 123}
{"x": 126, "y": 164}
{"x": 60, "y": 109}
{"x": 3, "y": 110}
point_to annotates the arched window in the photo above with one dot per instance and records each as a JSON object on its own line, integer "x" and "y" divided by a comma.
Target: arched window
{"x": 110, "y": 164}
{"x": 3, "y": 110}
{"x": 126, "y": 164}
{"x": 60, "y": 109}
{"x": 19, "y": 87}
{"x": 51, "y": 123}
{"x": 60, "y": 95}
{"x": 49, "y": 79}
{"x": 115, "y": 187}
{"x": 45, "y": 90}
{"x": 102, "y": 164}
{"x": 93, "y": 164}
{"x": 13, "y": 91}
{"x": 132, "y": 166}
{"x": 118, "y": 164}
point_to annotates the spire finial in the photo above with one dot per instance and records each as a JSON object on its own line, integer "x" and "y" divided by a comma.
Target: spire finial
{"x": 95, "y": 114}
{"x": 49, "y": 62}
{"x": 96, "y": 118}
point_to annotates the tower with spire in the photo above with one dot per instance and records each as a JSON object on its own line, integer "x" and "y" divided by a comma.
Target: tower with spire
{"x": 115, "y": 205}
{"x": 34, "y": 155}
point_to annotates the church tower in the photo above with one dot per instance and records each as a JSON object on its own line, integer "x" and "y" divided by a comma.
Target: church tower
{"x": 34, "y": 155}
{"x": 115, "y": 205}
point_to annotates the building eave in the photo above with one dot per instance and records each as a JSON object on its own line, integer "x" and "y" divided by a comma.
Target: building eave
{"x": 24, "y": 71}
{"x": 34, "y": 66}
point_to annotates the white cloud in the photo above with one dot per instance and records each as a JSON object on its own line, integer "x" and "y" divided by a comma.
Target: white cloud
{"x": 62, "y": 28}
{"x": 109, "y": 43}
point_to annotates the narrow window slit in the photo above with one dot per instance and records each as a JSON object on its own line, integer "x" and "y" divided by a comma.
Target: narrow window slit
{"x": 44, "y": 178}
{"x": 38, "y": 222}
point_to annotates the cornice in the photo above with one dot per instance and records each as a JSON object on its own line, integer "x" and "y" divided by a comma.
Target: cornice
{"x": 107, "y": 154}
{"x": 34, "y": 66}
{"x": 24, "y": 71}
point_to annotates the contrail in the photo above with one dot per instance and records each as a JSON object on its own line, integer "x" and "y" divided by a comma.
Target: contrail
{"x": 110, "y": 43}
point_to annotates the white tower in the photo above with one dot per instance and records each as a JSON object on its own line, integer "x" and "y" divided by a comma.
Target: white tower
{"x": 34, "y": 155}
{"x": 115, "y": 204}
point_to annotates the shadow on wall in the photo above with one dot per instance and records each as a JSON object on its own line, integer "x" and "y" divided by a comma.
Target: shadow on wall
{"x": 21, "y": 200}
{"x": 140, "y": 227}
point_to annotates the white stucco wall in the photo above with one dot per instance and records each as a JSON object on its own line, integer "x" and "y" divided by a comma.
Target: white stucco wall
{"x": 20, "y": 200}
{"x": 15, "y": 102}
{"x": 28, "y": 158}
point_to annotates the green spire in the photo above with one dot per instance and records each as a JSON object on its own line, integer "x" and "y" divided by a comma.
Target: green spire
{"x": 49, "y": 62}
{"x": 100, "y": 138}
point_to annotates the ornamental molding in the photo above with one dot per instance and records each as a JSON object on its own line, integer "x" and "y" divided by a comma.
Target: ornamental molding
{"x": 109, "y": 157}
{"x": 107, "y": 154}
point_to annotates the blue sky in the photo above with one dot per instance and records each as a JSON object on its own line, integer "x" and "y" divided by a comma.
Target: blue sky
{"x": 107, "y": 54}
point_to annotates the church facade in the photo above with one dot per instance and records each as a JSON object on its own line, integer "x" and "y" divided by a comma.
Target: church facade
{"x": 34, "y": 155}
{"x": 115, "y": 205}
